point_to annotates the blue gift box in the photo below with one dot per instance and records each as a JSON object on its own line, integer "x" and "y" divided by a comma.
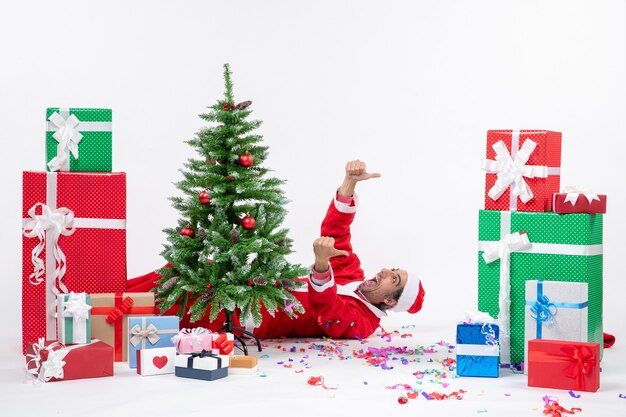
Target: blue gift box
{"x": 150, "y": 332}
{"x": 203, "y": 365}
{"x": 477, "y": 350}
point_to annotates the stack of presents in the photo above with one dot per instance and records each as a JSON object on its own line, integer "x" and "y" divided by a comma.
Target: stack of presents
{"x": 76, "y": 318}
{"x": 539, "y": 269}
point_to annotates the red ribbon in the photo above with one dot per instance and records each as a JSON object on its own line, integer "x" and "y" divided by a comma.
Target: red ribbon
{"x": 553, "y": 409}
{"x": 116, "y": 314}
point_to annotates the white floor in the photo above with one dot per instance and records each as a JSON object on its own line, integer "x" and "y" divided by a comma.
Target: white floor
{"x": 279, "y": 390}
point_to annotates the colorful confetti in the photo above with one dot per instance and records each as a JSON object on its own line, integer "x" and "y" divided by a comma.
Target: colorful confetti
{"x": 574, "y": 395}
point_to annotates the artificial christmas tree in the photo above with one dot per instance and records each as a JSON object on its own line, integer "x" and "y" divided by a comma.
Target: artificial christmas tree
{"x": 229, "y": 232}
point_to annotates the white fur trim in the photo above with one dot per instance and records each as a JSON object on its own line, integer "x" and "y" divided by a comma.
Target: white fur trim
{"x": 326, "y": 285}
{"x": 346, "y": 208}
{"x": 409, "y": 294}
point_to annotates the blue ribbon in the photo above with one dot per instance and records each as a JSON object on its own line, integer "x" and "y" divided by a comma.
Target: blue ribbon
{"x": 542, "y": 309}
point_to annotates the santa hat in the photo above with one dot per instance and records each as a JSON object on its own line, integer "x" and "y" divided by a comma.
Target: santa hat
{"x": 411, "y": 298}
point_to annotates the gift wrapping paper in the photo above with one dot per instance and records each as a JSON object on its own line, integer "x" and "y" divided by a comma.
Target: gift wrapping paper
{"x": 562, "y": 248}
{"x": 564, "y": 365}
{"x": 157, "y": 361}
{"x": 150, "y": 332}
{"x": 193, "y": 340}
{"x": 79, "y": 140}
{"x": 566, "y": 203}
{"x": 74, "y": 318}
{"x": 242, "y": 365}
{"x": 50, "y": 361}
{"x": 555, "y": 310}
{"x": 532, "y": 170}
{"x": 74, "y": 239}
{"x": 109, "y": 317}
{"x": 477, "y": 350}
{"x": 203, "y": 365}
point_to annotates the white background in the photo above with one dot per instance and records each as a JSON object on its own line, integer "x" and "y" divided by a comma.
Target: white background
{"x": 409, "y": 87}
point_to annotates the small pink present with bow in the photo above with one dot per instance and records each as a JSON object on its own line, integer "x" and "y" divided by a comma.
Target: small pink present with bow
{"x": 193, "y": 340}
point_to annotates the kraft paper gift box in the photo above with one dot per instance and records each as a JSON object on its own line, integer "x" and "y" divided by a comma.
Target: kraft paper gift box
{"x": 555, "y": 311}
{"x": 242, "y": 365}
{"x": 157, "y": 361}
{"x": 523, "y": 169}
{"x": 203, "y": 365}
{"x": 51, "y": 361}
{"x": 149, "y": 333}
{"x": 477, "y": 350}
{"x": 579, "y": 200}
{"x": 109, "y": 317}
{"x": 74, "y": 239}
{"x": 562, "y": 247}
{"x": 74, "y": 318}
{"x": 193, "y": 340}
{"x": 79, "y": 140}
{"x": 564, "y": 365}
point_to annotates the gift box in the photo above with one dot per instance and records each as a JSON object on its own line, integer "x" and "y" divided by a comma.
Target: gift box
{"x": 523, "y": 169}
{"x": 242, "y": 365}
{"x": 477, "y": 350}
{"x": 109, "y": 317}
{"x": 579, "y": 200}
{"x": 561, "y": 247}
{"x": 148, "y": 333}
{"x": 203, "y": 365}
{"x": 223, "y": 343}
{"x": 193, "y": 340}
{"x": 74, "y": 318}
{"x": 79, "y": 140}
{"x": 556, "y": 311}
{"x": 51, "y": 361}
{"x": 74, "y": 239}
{"x": 564, "y": 365}
{"x": 157, "y": 361}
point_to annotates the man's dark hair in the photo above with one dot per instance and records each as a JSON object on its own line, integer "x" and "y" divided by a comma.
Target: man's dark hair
{"x": 395, "y": 295}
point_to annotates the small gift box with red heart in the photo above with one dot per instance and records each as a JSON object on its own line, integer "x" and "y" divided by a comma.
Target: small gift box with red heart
{"x": 157, "y": 361}
{"x": 564, "y": 365}
{"x": 193, "y": 340}
{"x": 223, "y": 343}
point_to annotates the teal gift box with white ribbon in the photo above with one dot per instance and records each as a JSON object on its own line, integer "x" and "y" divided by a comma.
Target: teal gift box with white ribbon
{"x": 150, "y": 332}
{"x": 556, "y": 311}
{"x": 74, "y": 318}
{"x": 79, "y": 140}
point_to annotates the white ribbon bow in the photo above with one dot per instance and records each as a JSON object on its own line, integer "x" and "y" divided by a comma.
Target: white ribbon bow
{"x": 573, "y": 192}
{"x": 479, "y": 317}
{"x": 52, "y": 367}
{"x": 150, "y": 333}
{"x": 512, "y": 171}
{"x": 197, "y": 334}
{"x": 53, "y": 224}
{"x": 502, "y": 250}
{"x": 68, "y": 136}
{"x": 76, "y": 306}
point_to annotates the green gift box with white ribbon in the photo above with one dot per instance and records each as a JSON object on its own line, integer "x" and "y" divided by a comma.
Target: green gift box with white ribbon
{"x": 79, "y": 140}
{"x": 74, "y": 318}
{"x": 515, "y": 247}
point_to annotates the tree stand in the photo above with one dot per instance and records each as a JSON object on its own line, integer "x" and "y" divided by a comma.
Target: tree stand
{"x": 228, "y": 327}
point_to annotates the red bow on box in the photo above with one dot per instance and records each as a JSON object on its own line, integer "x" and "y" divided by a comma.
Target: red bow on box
{"x": 118, "y": 312}
{"x": 582, "y": 362}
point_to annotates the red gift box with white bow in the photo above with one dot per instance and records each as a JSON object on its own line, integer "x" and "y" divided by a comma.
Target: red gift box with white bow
{"x": 564, "y": 365}
{"x": 523, "y": 169}
{"x": 74, "y": 239}
{"x": 579, "y": 200}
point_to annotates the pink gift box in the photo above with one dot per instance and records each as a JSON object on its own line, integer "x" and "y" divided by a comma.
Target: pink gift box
{"x": 193, "y": 340}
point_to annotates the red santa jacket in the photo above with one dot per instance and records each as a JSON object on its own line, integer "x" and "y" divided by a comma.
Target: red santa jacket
{"x": 333, "y": 309}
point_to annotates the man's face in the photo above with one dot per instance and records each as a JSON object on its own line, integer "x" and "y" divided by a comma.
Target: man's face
{"x": 384, "y": 283}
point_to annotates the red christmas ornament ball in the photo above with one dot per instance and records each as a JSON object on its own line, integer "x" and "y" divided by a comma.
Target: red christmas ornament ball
{"x": 248, "y": 222}
{"x": 250, "y": 282}
{"x": 277, "y": 284}
{"x": 246, "y": 160}
{"x": 186, "y": 231}
{"x": 226, "y": 106}
{"x": 208, "y": 285}
{"x": 204, "y": 197}
{"x": 230, "y": 177}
